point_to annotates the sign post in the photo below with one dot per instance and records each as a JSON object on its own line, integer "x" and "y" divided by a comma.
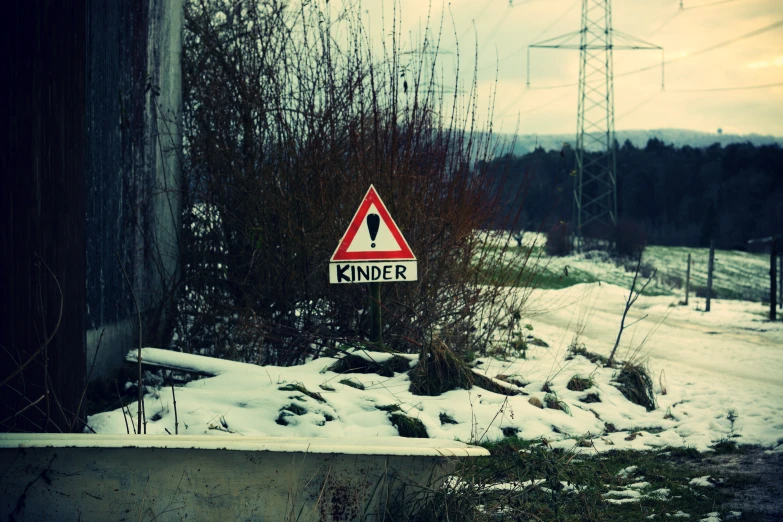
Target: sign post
{"x": 372, "y": 251}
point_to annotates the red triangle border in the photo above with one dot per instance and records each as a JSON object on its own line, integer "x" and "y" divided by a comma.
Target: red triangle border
{"x": 341, "y": 253}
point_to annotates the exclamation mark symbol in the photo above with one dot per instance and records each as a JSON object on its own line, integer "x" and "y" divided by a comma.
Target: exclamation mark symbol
{"x": 373, "y": 222}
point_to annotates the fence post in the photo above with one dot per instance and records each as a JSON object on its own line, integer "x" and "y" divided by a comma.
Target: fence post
{"x": 688, "y": 280}
{"x": 780, "y": 281}
{"x": 709, "y": 274}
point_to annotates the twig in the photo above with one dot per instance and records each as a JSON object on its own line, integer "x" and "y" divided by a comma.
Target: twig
{"x": 173, "y": 395}
{"x": 39, "y": 399}
{"x": 122, "y": 405}
{"x": 628, "y": 304}
{"x": 138, "y": 311}
{"x": 89, "y": 376}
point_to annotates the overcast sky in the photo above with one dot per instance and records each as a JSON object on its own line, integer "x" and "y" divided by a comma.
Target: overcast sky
{"x": 503, "y": 32}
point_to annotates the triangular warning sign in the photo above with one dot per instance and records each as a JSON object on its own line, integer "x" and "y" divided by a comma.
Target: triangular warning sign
{"x": 372, "y": 235}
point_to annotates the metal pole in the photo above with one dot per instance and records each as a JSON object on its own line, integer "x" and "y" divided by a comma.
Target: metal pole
{"x": 709, "y": 274}
{"x": 688, "y": 280}
{"x": 375, "y": 313}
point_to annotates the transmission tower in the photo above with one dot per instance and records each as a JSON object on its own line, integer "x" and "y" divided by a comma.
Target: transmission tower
{"x": 595, "y": 180}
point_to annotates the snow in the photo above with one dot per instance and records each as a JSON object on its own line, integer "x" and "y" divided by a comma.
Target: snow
{"x": 720, "y": 371}
{"x": 397, "y": 446}
{"x": 702, "y": 482}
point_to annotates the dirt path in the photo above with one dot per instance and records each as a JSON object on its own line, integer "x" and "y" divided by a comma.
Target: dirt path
{"x": 763, "y": 491}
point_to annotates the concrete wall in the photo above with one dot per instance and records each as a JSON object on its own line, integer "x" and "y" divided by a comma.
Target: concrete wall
{"x": 214, "y": 478}
{"x": 134, "y": 105}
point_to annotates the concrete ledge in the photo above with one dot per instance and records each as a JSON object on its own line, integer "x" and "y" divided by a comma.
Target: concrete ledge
{"x": 215, "y": 478}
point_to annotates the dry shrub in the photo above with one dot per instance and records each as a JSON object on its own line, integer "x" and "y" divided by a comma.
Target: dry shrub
{"x": 635, "y": 384}
{"x": 440, "y": 370}
{"x": 559, "y": 242}
{"x": 629, "y": 238}
{"x": 289, "y": 117}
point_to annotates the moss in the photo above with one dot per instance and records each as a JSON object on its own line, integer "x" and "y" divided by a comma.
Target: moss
{"x": 408, "y": 426}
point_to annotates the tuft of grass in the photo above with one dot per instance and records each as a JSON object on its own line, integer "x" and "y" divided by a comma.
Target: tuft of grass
{"x": 409, "y": 426}
{"x": 353, "y": 383}
{"x": 350, "y": 363}
{"x": 553, "y": 402}
{"x": 509, "y": 431}
{"x": 590, "y": 398}
{"x": 445, "y": 418}
{"x": 724, "y": 444}
{"x": 635, "y": 384}
{"x": 295, "y": 409}
{"x": 388, "y": 408}
{"x": 440, "y": 370}
{"x": 299, "y": 387}
{"x": 535, "y": 341}
{"x": 514, "y": 379}
{"x": 326, "y": 387}
{"x": 579, "y": 383}
{"x": 286, "y": 412}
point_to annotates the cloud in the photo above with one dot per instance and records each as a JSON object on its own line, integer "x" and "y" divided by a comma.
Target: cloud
{"x": 777, "y": 62}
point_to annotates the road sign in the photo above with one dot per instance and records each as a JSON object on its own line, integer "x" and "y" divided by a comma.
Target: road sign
{"x": 372, "y": 248}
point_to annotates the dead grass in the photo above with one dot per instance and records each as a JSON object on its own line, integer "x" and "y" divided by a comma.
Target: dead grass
{"x": 636, "y": 385}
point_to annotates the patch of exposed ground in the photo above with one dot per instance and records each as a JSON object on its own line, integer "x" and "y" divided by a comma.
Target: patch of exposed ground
{"x": 758, "y": 487}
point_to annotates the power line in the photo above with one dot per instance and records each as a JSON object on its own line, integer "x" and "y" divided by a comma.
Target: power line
{"x": 491, "y": 33}
{"x": 720, "y": 45}
{"x": 722, "y": 89}
{"x": 539, "y": 35}
{"x": 664, "y": 24}
{"x": 699, "y": 6}
{"x": 638, "y": 106}
{"x": 481, "y": 13}
{"x": 533, "y": 109}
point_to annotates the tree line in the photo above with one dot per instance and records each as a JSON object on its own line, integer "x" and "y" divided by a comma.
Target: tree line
{"x": 679, "y": 196}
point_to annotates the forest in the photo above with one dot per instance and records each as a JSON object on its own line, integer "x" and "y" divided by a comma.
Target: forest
{"x": 675, "y": 196}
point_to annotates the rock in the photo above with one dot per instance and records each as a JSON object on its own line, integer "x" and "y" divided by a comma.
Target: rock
{"x": 535, "y": 401}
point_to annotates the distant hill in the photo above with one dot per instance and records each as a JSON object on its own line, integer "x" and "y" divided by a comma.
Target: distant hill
{"x": 678, "y": 137}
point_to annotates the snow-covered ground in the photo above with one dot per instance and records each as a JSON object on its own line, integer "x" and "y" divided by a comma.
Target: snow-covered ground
{"x": 721, "y": 372}
{"x": 736, "y": 275}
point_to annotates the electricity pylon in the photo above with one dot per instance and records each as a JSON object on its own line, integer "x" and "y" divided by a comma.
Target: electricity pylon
{"x": 595, "y": 180}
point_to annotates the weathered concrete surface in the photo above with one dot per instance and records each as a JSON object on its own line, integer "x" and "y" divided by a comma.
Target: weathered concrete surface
{"x": 93, "y": 477}
{"x": 134, "y": 106}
